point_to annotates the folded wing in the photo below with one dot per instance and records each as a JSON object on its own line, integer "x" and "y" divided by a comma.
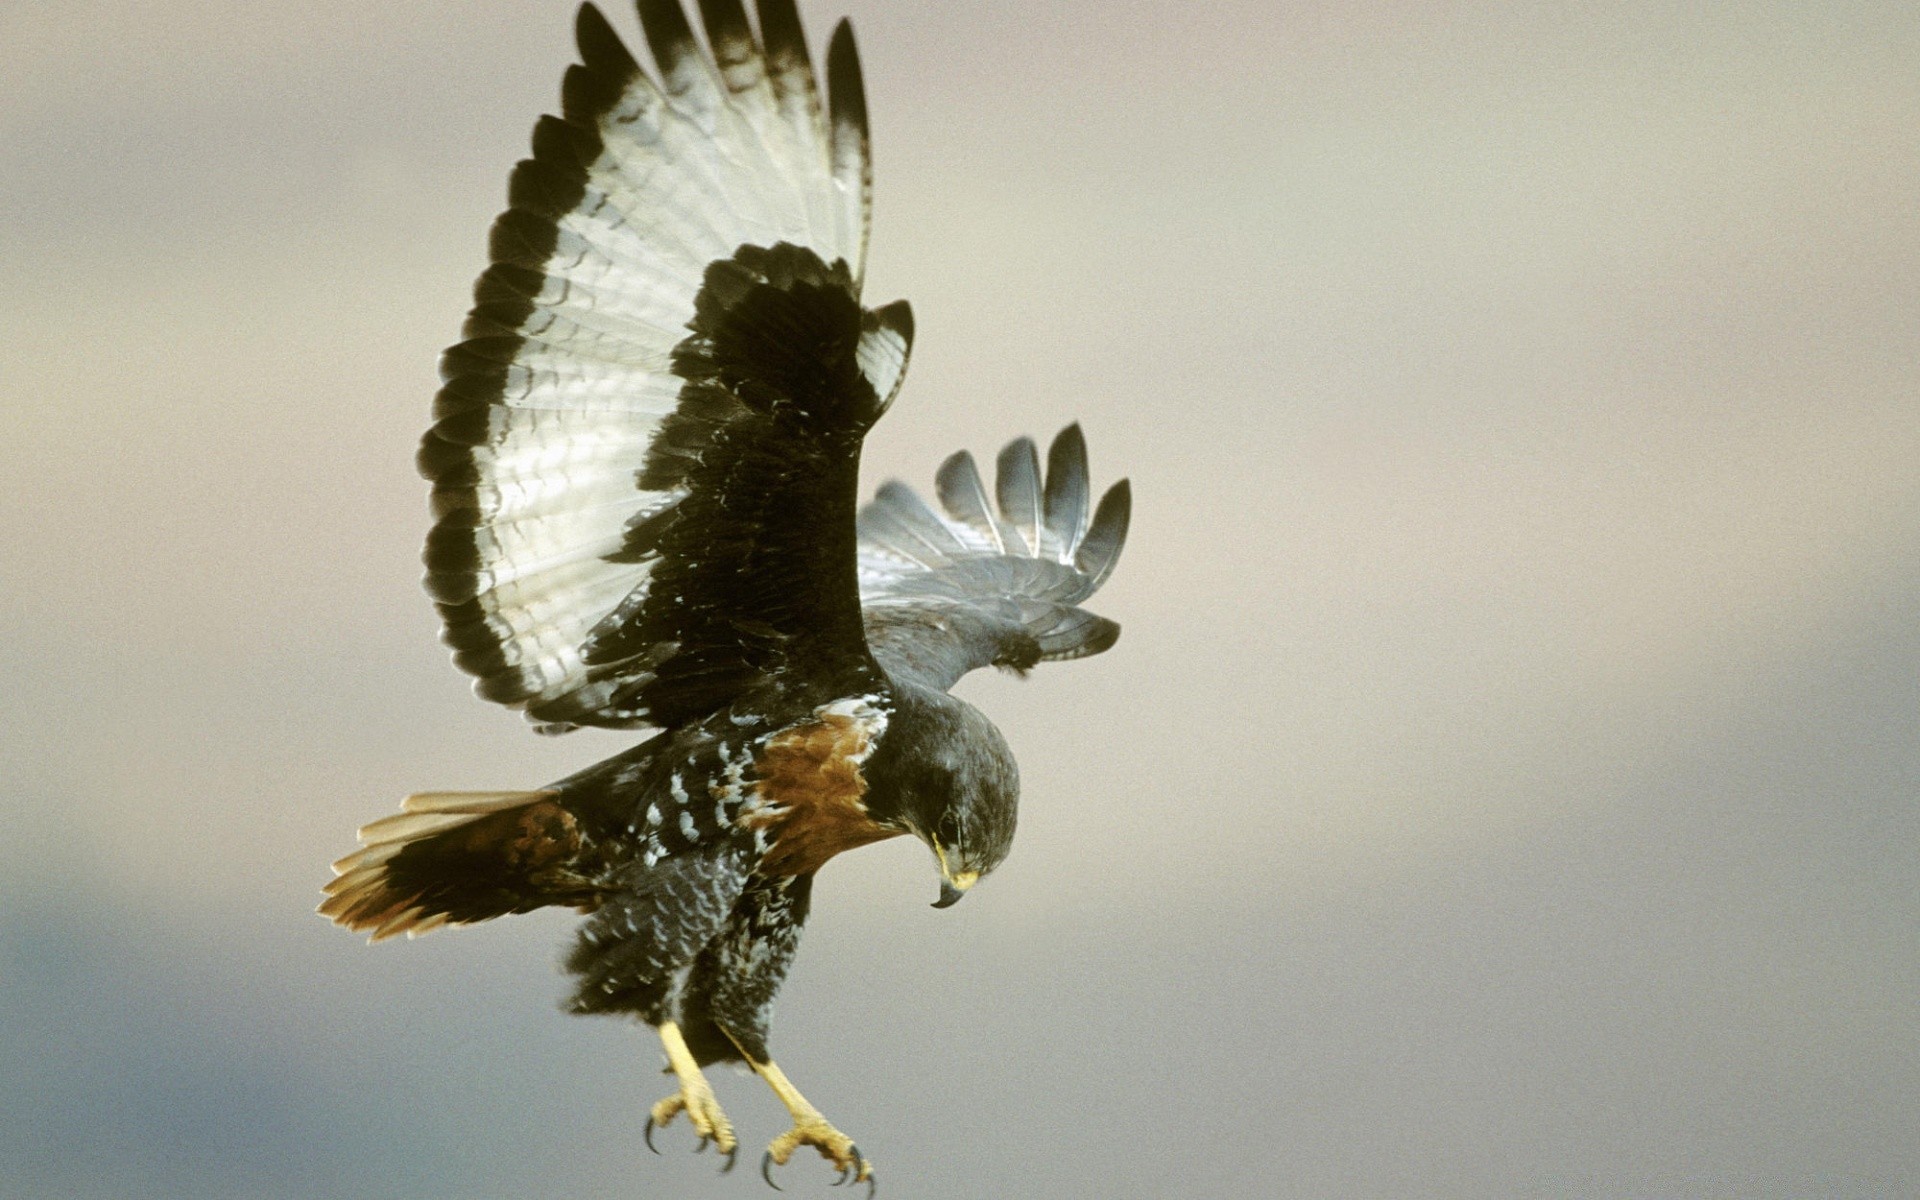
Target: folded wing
{"x": 649, "y": 436}
{"x": 990, "y": 581}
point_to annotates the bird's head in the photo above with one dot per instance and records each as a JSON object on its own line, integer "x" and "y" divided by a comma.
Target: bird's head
{"x": 956, "y": 788}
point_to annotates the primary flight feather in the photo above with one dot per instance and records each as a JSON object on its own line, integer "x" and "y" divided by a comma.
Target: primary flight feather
{"x": 645, "y": 462}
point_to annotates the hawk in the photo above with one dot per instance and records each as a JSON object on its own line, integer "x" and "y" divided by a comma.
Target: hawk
{"x": 645, "y": 462}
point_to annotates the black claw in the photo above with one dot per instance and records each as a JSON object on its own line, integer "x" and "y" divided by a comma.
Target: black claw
{"x": 648, "y": 1135}
{"x": 733, "y": 1155}
{"x": 873, "y": 1183}
{"x": 845, "y": 1173}
{"x": 766, "y": 1171}
{"x": 702, "y": 1147}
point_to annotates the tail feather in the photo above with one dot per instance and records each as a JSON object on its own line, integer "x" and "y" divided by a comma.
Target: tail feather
{"x": 454, "y": 858}
{"x": 470, "y": 803}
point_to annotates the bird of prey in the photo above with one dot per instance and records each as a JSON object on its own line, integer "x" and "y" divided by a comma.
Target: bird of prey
{"x": 644, "y": 462}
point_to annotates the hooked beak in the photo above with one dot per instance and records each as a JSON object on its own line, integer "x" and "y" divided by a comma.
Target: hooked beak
{"x": 953, "y": 887}
{"x": 953, "y": 884}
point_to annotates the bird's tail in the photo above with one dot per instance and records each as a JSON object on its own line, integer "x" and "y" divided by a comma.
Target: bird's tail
{"x": 453, "y": 858}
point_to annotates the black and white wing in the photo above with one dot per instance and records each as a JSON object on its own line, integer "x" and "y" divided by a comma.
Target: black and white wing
{"x": 981, "y": 584}
{"x": 644, "y": 453}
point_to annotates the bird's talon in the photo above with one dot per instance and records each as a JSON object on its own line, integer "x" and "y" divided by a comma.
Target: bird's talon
{"x": 766, "y": 1171}
{"x": 836, "y": 1147}
{"x": 733, "y": 1156}
{"x": 703, "y": 1112}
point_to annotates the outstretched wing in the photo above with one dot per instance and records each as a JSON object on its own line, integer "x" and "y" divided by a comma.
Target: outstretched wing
{"x": 644, "y": 453}
{"x": 944, "y": 594}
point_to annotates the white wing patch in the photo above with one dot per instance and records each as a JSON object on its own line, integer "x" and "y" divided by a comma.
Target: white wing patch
{"x": 884, "y": 349}
{"x": 552, "y": 404}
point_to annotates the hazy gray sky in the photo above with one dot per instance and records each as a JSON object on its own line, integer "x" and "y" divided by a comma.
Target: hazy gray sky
{"x": 1505, "y": 784}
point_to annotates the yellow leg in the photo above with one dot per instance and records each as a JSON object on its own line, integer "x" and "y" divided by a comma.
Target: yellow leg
{"x": 695, "y": 1098}
{"x": 810, "y": 1128}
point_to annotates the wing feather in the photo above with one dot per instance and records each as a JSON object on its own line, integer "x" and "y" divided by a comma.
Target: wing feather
{"x": 965, "y": 498}
{"x": 1016, "y": 484}
{"x": 852, "y": 156}
{"x": 905, "y": 525}
{"x": 670, "y": 39}
{"x": 1066, "y": 496}
{"x": 947, "y": 594}
{"x": 1099, "y": 551}
{"x": 571, "y": 398}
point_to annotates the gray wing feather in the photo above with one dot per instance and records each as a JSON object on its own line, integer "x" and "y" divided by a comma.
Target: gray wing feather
{"x": 1099, "y": 550}
{"x": 965, "y": 499}
{"x": 1016, "y": 483}
{"x": 944, "y": 594}
{"x": 904, "y": 522}
{"x": 1068, "y": 491}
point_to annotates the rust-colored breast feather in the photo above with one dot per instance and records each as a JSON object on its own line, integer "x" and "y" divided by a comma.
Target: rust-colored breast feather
{"x": 812, "y": 794}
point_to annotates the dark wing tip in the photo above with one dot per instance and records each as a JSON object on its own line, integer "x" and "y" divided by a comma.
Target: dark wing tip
{"x": 959, "y": 460}
{"x": 780, "y": 27}
{"x": 1016, "y": 454}
{"x": 964, "y": 496}
{"x": 846, "y": 89}
{"x": 1116, "y": 507}
{"x": 668, "y": 34}
{"x": 600, "y": 45}
{"x": 897, "y": 316}
{"x": 1068, "y": 450}
{"x": 606, "y": 67}
{"x": 727, "y": 28}
{"x": 1068, "y": 487}
{"x": 1016, "y": 487}
{"x": 1101, "y": 640}
{"x": 1077, "y": 633}
{"x": 1100, "y": 549}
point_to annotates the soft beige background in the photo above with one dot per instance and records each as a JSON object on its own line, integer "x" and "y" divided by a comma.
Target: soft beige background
{"x": 1505, "y": 785}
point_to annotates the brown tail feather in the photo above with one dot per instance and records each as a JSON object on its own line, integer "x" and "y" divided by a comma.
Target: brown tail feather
{"x": 454, "y": 858}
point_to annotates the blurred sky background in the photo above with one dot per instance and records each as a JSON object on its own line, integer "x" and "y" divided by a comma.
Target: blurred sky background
{"x": 1505, "y": 785}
